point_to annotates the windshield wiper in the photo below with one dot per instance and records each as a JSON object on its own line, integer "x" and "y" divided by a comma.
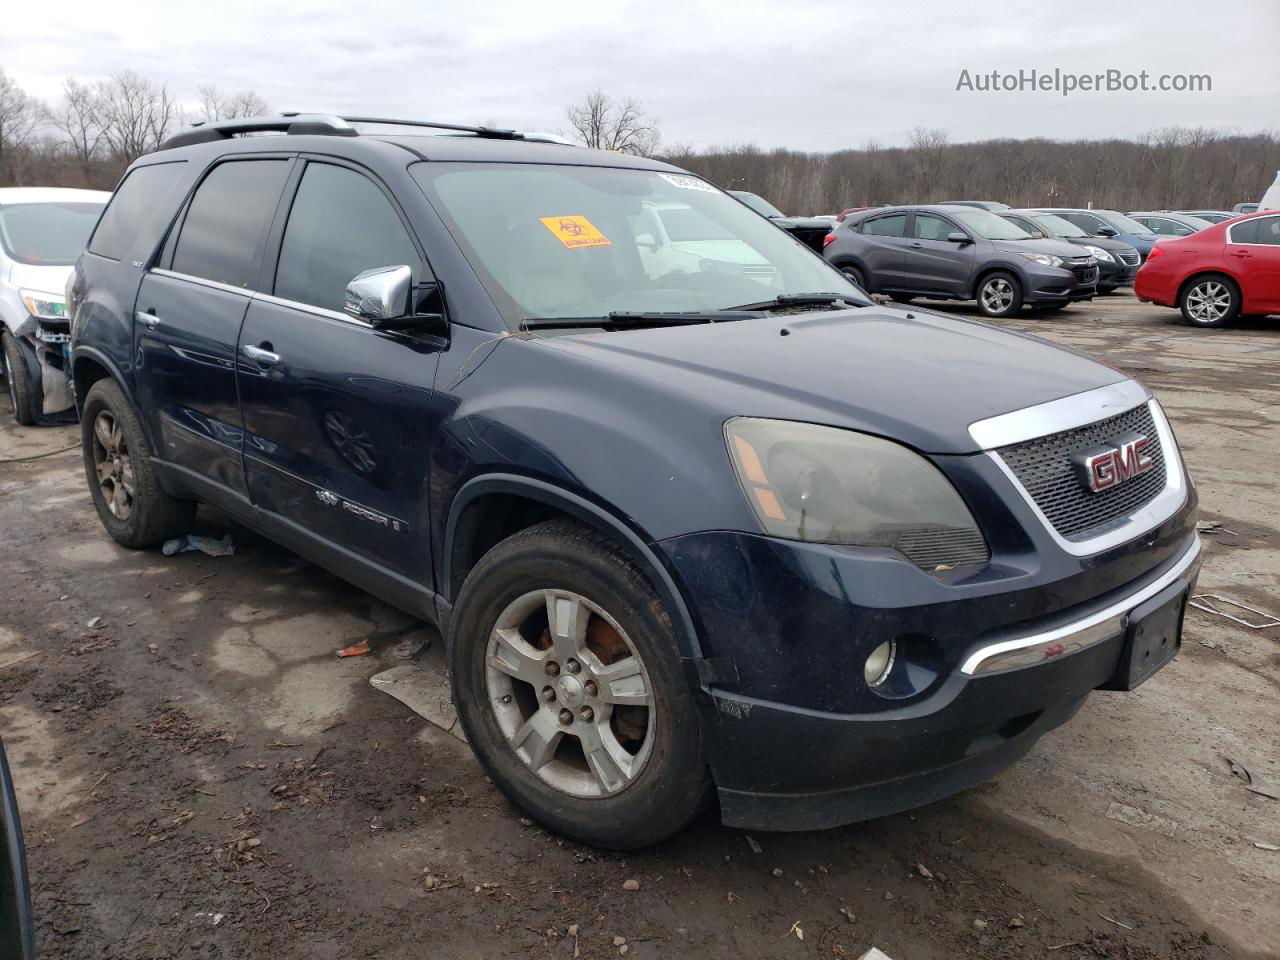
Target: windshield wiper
{"x": 627, "y": 319}
{"x": 784, "y": 300}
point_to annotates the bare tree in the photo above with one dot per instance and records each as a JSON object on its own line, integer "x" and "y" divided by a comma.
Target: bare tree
{"x": 79, "y": 118}
{"x": 607, "y": 124}
{"x": 216, "y": 105}
{"x": 137, "y": 115}
{"x": 19, "y": 114}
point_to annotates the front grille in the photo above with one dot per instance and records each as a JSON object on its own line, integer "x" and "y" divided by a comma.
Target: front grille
{"x": 931, "y": 547}
{"x": 1086, "y": 274}
{"x": 1046, "y": 469}
{"x": 1129, "y": 259}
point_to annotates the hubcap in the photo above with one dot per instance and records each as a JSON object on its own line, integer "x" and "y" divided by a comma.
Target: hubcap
{"x": 997, "y": 295}
{"x": 570, "y": 693}
{"x": 112, "y": 465}
{"x": 1208, "y": 302}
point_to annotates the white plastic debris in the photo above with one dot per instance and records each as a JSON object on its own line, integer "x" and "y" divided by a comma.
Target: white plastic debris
{"x": 207, "y": 545}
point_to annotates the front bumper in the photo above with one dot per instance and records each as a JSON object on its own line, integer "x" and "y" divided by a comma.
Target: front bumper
{"x": 1000, "y": 657}
{"x": 1050, "y": 284}
{"x": 1115, "y": 274}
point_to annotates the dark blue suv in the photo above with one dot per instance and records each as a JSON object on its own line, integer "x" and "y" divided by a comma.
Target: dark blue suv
{"x": 695, "y": 517}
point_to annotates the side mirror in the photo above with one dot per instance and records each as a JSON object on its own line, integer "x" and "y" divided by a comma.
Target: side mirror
{"x": 1107, "y": 232}
{"x": 382, "y": 298}
{"x": 647, "y": 242}
{"x": 956, "y": 236}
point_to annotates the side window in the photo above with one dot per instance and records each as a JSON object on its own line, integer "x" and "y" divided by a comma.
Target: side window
{"x": 1246, "y": 232}
{"x": 138, "y": 203}
{"x": 894, "y": 225}
{"x": 1268, "y": 230}
{"x": 1022, "y": 224}
{"x": 929, "y": 227}
{"x": 222, "y": 233}
{"x": 1090, "y": 225}
{"x": 340, "y": 224}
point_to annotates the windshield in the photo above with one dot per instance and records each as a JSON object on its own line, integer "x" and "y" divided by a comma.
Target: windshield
{"x": 988, "y": 225}
{"x": 47, "y": 234}
{"x": 554, "y": 242}
{"x": 1057, "y": 226}
{"x": 1123, "y": 224}
{"x": 757, "y": 203}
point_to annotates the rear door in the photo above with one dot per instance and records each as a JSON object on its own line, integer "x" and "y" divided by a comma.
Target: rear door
{"x": 188, "y": 315}
{"x": 336, "y": 413}
{"x": 884, "y": 249}
{"x": 934, "y": 263}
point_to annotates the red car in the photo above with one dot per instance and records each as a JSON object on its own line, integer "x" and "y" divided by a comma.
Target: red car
{"x": 1219, "y": 273}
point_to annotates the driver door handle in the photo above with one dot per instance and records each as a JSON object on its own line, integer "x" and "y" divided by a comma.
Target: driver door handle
{"x": 260, "y": 355}
{"x": 148, "y": 320}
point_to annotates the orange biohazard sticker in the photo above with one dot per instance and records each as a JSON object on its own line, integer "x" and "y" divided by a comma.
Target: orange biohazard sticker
{"x": 575, "y": 232}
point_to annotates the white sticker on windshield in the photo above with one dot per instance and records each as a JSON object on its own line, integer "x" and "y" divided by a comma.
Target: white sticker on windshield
{"x": 687, "y": 182}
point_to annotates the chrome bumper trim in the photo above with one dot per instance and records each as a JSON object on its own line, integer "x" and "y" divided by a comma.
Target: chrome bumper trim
{"x": 1065, "y": 413}
{"x": 1079, "y": 635}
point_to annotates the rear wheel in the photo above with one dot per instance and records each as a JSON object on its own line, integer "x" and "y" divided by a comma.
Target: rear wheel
{"x": 22, "y": 400}
{"x": 856, "y": 275}
{"x": 1210, "y": 301}
{"x": 567, "y": 679}
{"x": 1000, "y": 295}
{"x": 117, "y": 462}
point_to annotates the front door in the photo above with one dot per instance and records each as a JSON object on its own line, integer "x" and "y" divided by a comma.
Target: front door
{"x": 337, "y": 439}
{"x": 188, "y": 316}
{"x": 938, "y": 265}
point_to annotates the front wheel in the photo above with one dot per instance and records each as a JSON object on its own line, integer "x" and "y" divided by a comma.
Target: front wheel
{"x": 1212, "y": 301}
{"x": 1000, "y": 295}
{"x": 567, "y": 679}
{"x": 22, "y": 399}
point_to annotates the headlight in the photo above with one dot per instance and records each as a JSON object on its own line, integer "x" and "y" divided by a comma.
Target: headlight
{"x": 46, "y": 306}
{"x": 1045, "y": 259}
{"x": 807, "y": 482}
{"x": 1100, "y": 254}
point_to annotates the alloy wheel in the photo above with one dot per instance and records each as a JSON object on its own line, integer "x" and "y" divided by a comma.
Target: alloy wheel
{"x": 113, "y": 465}
{"x": 997, "y": 295}
{"x": 570, "y": 693}
{"x": 1208, "y": 302}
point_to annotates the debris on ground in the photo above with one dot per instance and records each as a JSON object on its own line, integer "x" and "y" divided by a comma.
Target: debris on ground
{"x": 1263, "y": 845}
{"x": 425, "y": 692}
{"x": 1134, "y": 817}
{"x": 410, "y": 646}
{"x": 777, "y": 872}
{"x": 1251, "y": 782}
{"x": 848, "y": 914}
{"x": 632, "y": 885}
{"x": 924, "y": 871}
{"x": 979, "y": 924}
{"x": 1206, "y": 601}
{"x": 94, "y": 623}
{"x": 875, "y": 954}
{"x": 1016, "y": 922}
{"x": 797, "y": 930}
{"x": 1116, "y": 922}
{"x": 355, "y": 650}
{"x": 751, "y": 842}
{"x": 223, "y": 547}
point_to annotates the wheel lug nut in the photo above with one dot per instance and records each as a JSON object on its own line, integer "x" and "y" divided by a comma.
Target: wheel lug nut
{"x": 587, "y": 714}
{"x": 548, "y": 694}
{"x": 573, "y": 666}
{"x": 591, "y": 688}
{"x": 552, "y": 668}
{"x": 566, "y": 717}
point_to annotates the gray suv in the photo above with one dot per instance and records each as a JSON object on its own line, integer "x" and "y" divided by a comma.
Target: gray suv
{"x": 950, "y": 252}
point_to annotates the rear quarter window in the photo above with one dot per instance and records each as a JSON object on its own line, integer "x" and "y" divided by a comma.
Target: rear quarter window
{"x": 139, "y": 205}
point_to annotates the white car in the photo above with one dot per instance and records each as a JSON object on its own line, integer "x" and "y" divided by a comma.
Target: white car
{"x": 42, "y": 232}
{"x": 675, "y": 238}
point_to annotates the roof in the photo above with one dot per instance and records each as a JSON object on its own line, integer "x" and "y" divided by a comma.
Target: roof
{"x": 52, "y": 195}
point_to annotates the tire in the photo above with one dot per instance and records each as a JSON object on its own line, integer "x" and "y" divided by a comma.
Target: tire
{"x": 1212, "y": 300}
{"x": 126, "y": 493}
{"x": 1000, "y": 295}
{"x": 856, "y": 275}
{"x": 665, "y": 783}
{"x": 22, "y": 400}
{"x": 901, "y": 297}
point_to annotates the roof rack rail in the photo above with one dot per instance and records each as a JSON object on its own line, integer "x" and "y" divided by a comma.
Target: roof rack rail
{"x": 316, "y": 124}
{"x": 494, "y": 133}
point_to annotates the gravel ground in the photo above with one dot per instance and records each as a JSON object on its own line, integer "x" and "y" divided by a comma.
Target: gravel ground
{"x": 200, "y": 776}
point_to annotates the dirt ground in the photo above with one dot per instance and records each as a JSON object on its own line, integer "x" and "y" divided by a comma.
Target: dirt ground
{"x": 200, "y": 776}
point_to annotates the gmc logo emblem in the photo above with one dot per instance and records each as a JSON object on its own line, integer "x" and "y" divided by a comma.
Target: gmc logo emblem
{"x": 1109, "y": 467}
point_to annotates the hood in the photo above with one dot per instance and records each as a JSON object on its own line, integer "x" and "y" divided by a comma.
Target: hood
{"x": 915, "y": 377}
{"x": 1110, "y": 244}
{"x": 1054, "y": 247}
{"x": 43, "y": 279}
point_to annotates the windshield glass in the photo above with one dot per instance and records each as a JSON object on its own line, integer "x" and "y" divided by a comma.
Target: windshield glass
{"x": 47, "y": 234}
{"x": 1058, "y": 226}
{"x": 988, "y": 225}
{"x": 757, "y": 203}
{"x": 572, "y": 242}
{"x": 1123, "y": 224}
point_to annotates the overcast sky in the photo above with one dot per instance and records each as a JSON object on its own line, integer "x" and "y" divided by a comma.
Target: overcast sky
{"x": 806, "y": 74}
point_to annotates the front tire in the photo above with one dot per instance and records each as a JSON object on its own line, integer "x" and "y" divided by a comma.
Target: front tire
{"x": 1000, "y": 295}
{"x": 22, "y": 399}
{"x": 567, "y": 680}
{"x": 132, "y": 506}
{"x": 856, "y": 275}
{"x": 1210, "y": 301}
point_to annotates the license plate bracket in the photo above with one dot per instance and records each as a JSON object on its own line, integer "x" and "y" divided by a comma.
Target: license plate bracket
{"x": 1152, "y": 639}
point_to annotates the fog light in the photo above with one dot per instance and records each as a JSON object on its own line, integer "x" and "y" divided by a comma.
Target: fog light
{"x": 880, "y": 663}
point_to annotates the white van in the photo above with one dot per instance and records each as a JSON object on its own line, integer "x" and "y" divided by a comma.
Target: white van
{"x": 1271, "y": 199}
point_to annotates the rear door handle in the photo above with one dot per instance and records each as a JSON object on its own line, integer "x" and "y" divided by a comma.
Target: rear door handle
{"x": 260, "y": 355}
{"x": 148, "y": 320}
{"x": 1241, "y": 253}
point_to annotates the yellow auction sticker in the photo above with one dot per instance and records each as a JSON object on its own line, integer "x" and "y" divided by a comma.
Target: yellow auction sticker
{"x": 575, "y": 232}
